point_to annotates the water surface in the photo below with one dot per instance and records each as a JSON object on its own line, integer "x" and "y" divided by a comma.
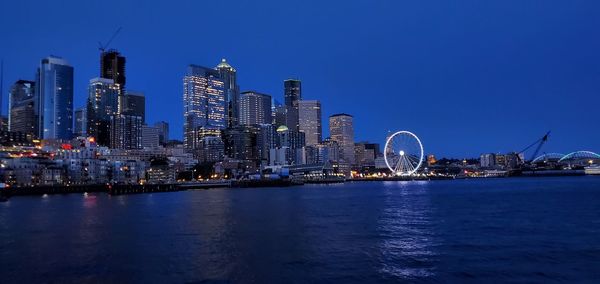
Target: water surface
{"x": 492, "y": 230}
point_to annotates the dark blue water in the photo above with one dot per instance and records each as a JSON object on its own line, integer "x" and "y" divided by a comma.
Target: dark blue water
{"x": 481, "y": 231}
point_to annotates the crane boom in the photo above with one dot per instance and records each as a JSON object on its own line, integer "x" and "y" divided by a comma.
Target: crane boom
{"x": 103, "y": 47}
{"x": 540, "y": 142}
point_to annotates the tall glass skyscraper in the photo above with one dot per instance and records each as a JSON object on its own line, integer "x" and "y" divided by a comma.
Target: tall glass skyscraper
{"x": 101, "y": 105}
{"x": 309, "y": 113}
{"x": 22, "y": 108}
{"x": 203, "y": 102}
{"x": 55, "y": 93}
{"x": 341, "y": 130}
{"x": 255, "y": 108}
{"x": 231, "y": 91}
{"x": 292, "y": 94}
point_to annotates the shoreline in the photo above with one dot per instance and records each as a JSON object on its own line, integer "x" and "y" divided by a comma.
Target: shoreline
{"x": 125, "y": 189}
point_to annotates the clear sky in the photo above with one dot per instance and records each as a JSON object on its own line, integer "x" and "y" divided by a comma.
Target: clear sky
{"x": 466, "y": 76}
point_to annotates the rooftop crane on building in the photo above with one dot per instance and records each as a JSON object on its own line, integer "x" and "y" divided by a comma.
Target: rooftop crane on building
{"x": 102, "y": 47}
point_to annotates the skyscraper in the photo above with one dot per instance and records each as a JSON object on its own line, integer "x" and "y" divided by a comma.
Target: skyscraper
{"x": 255, "y": 108}
{"x": 163, "y": 132}
{"x": 80, "y": 129}
{"x": 292, "y": 94}
{"x": 310, "y": 121}
{"x": 54, "y": 88}
{"x": 279, "y": 114}
{"x": 102, "y": 104}
{"x": 134, "y": 103}
{"x": 341, "y": 130}
{"x": 203, "y": 102}
{"x": 22, "y": 108}
{"x": 231, "y": 91}
{"x": 112, "y": 66}
{"x": 150, "y": 136}
{"x": 126, "y": 132}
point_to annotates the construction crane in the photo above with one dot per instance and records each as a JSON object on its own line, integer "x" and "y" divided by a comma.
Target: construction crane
{"x": 540, "y": 142}
{"x": 102, "y": 47}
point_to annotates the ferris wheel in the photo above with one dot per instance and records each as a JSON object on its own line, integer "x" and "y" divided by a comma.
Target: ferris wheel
{"x": 403, "y": 153}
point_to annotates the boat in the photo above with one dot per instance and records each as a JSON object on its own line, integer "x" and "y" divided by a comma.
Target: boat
{"x": 592, "y": 170}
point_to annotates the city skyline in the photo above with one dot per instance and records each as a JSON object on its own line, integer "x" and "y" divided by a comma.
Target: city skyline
{"x": 501, "y": 108}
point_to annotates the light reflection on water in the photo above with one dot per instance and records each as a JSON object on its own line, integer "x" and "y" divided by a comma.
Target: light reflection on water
{"x": 408, "y": 241}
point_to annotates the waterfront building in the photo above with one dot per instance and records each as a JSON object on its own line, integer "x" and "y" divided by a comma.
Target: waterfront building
{"x": 160, "y": 171}
{"x": 163, "y": 132}
{"x": 23, "y": 108}
{"x": 487, "y": 160}
{"x": 203, "y": 102}
{"x": 80, "y": 129}
{"x": 364, "y": 154}
{"x": 126, "y": 132}
{"x": 292, "y": 95}
{"x": 341, "y": 130}
{"x": 255, "y": 108}
{"x": 102, "y": 104}
{"x": 309, "y": 115}
{"x": 112, "y": 66}
{"x": 231, "y": 92}
{"x": 54, "y": 89}
{"x": 150, "y": 136}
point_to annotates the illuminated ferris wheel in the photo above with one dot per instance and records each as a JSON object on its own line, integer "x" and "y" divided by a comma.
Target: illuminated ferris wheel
{"x": 403, "y": 153}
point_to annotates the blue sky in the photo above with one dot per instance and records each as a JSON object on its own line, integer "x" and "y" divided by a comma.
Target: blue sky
{"x": 466, "y": 76}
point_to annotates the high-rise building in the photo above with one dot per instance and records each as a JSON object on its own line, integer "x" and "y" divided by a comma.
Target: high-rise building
{"x": 255, "y": 108}
{"x": 292, "y": 95}
{"x": 266, "y": 140}
{"x": 23, "y": 109}
{"x": 126, "y": 132}
{"x": 135, "y": 104}
{"x": 341, "y": 130}
{"x": 279, "y": 114}
{"x": 150, "y": 136}
{"x": 80, "y": 129}
{"x": 310, "y": 121}
{"x": 231, "y": 91}
{"x": 54, "y": 88}
{"x": 203, "y": 102}
{"x": 112, "y": 66}
{"x": 292, "y": 141}
{"x": 163, "y": 132}
{"x": 241, "y": 143}
{"x": 102, "y": 104}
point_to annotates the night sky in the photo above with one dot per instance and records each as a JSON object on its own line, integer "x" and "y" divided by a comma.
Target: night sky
{"x": 466, "y": 76}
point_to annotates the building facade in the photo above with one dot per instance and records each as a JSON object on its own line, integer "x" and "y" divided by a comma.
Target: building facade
{"x": 112, "y": 66}
{"x": 203, "y": 102}
{"x": 163, "y": 132}
{"x": 80, "y": 129}
{"x": 22, "y": 108}
{"x": 310, "y": 121}
{"x": 255, "y": 108}
{"x": 54, "y": 88}
{"x": 292, "y": 95}
{"x": 341, "y": 130}
{"x": 102, "y": 104}
{"x": 231, "y": 92}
